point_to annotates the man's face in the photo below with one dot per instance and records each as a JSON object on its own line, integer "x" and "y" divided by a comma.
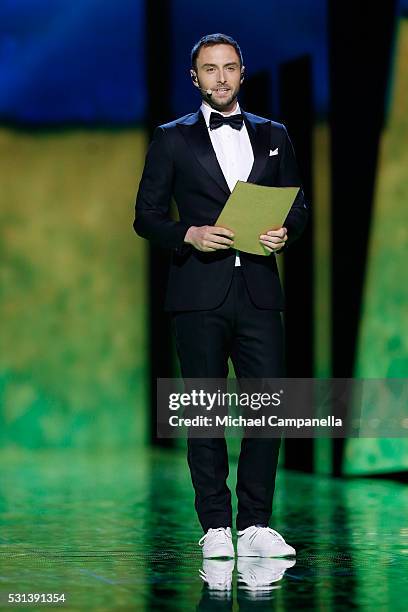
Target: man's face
{"x": 218, "y": 69}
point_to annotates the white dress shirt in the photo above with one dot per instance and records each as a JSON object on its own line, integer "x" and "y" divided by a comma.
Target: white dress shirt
{"x": 233, "y": 150}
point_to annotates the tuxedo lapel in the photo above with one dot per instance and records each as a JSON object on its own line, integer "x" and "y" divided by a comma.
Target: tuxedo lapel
{"x": 259, "y": 135}
{"x": 195, "y": 132}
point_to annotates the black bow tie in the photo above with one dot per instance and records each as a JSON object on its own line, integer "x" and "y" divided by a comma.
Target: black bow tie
{"x": 217, "y": 120}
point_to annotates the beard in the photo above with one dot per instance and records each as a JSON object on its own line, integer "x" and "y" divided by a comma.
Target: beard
{"x": 220, "y": 104}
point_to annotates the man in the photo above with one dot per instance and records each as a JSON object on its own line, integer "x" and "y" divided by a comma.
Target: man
{"x": 223, "y": 303}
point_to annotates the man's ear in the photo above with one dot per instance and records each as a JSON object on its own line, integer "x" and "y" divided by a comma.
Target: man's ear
{"x": 242, "y": 73}
{"x": 194, "y": 77}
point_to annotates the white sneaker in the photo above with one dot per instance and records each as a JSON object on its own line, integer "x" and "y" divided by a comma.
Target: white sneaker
{"x": 262, "y": 574}
{"x": 218, "y": 574}
{"x": 262, "y": 542}
{"x": 217, "y": 543}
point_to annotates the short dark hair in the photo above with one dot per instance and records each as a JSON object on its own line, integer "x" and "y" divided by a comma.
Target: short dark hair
{"x": 209, "y": 41}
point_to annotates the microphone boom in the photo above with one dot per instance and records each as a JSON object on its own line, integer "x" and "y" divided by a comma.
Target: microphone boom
{"x": 207, "y": 91}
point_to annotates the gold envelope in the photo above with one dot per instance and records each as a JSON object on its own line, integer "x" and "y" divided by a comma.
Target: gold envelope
{"x": 252, "y": 210}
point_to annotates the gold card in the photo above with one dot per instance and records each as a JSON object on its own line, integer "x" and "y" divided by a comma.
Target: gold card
{"x": 252, "y": 210}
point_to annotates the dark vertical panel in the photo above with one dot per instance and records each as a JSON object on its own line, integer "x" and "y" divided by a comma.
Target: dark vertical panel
{"x": 296, "y": 112}
{"x": 255, "y": 94}
{"x": 158, "y": 63}
{"x": 360, "y": 38}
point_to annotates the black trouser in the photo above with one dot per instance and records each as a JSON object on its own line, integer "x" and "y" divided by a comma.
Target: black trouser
{"x": 253, "y": 338}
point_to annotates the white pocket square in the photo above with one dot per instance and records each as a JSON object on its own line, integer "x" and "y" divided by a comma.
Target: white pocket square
{"x": 274, "y": 152}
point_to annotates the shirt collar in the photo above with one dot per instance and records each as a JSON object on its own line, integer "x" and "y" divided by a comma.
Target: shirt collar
{"x": 206, "y": 109}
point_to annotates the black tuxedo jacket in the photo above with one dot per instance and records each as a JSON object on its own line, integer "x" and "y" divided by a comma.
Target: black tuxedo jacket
{"x": 181, "y": 163}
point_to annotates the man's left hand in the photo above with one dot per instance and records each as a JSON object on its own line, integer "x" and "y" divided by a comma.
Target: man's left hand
{"x": 274, "y": 240}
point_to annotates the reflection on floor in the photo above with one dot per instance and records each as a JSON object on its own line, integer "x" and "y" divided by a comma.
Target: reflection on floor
{"x": 117, "y": 530}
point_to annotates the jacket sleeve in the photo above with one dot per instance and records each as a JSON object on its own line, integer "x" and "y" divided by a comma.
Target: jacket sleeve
{"x": 152, "y": 220}
{"x": 289, "y": 176}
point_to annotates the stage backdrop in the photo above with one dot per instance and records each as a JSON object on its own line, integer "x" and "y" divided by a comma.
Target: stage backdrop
{"x": 72, "y": 143}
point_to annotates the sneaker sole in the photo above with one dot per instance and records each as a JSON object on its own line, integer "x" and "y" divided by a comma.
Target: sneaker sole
{"x": 267, "y": 556}
{"x": 245, "y": 553}
{"x": 219, "y": 555}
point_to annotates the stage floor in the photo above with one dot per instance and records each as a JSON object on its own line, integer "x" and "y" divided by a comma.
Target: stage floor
{"x": 117, "y": 530}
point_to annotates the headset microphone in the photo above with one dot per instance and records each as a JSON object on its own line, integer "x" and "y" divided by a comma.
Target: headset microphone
{"x": 207, "y": 91}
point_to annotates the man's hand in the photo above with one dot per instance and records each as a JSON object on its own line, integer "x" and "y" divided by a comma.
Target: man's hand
{"x": 274, "y": 239}
{"x": 209, "y": 238}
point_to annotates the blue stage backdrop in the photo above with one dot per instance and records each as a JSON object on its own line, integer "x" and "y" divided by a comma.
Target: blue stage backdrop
{"x": 63, "y": 61}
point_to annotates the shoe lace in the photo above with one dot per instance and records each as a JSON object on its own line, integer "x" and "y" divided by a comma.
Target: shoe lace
{"x": 220, "y": 530}
{"x": 263, "y": 531}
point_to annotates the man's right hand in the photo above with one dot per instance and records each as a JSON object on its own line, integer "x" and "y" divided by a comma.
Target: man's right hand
{"x": 209, "y": 238}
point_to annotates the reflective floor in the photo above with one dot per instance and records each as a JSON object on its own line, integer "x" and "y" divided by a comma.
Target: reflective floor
{"x": 118, "y": 531}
